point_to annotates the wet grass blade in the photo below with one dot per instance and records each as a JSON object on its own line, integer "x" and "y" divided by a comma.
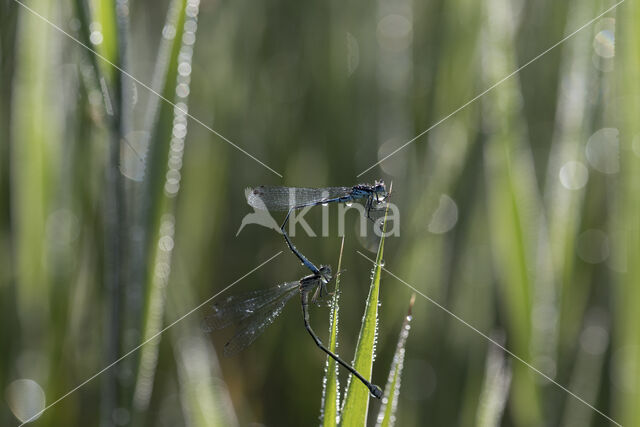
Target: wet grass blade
{"x": 387, "y": 414}
{"x": 162, "y": 201}
{"x": 330, "y": 395}
{"x": 356, "y": 401}
{"x": 565, "y": 202}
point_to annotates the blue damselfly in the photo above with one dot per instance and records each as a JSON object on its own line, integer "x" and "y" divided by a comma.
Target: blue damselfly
{"x": 254, "y": 311}
{"x": 293, "y": 198}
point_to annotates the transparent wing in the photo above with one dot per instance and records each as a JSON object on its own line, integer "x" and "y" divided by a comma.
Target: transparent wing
{"x": 251, "y": 327}
{"x": 235, "y": 308}
{"x": 284, "y": 198}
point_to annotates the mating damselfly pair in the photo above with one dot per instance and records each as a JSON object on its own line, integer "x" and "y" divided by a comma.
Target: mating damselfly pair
{"x": 255, "y": 311}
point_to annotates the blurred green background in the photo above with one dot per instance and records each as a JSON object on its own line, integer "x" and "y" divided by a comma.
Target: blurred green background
{"x": 520, "y": 213}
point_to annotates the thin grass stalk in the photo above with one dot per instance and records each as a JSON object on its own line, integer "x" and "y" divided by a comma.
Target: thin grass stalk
{"x": 389, "y": 407}
{"x": 567, "y": 166}
{"x": 135, "y": 160}
{"x": 161, "y": 250}
{"x": 115, "y": 217}
{"x": 495, "y": 389}
{"x": 330, "y": 384}
{"x": 113, "y": 197}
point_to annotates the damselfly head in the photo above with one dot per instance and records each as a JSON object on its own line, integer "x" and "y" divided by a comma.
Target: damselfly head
{"x": 325, "y": 273}
{"x": 381, "y": 190}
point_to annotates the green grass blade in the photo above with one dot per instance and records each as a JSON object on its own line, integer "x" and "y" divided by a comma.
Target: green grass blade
{"x": 387, "y": 414}
{"x": 164, "y": 68}
{"x": 512, "y": 206}
{"x": 565, "y": 206}
{"x": 203, "y": 395}
{"x": 162, "y": 205}
{"x": 588, "y": 370}
{"x": 34, "y": 131}
{"x": 330, "y": 395}
{"x": 105, "y": 42}
{"x": 356, "y": 401}
{"x": 627, "y": 221}
{"x": 495, "y": 388}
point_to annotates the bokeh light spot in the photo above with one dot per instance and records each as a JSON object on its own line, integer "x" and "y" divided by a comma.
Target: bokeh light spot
{"x": 603, "y": 151}
{"x": 25, "y": 398}
{"x": 394, "y": 32}
{"x": 573, "y": 175}
{"x": 594, "y": 339}
{"x": 445, "y": 216}
{"x": 604, "y": 43}
{"x": 593, "y": 246}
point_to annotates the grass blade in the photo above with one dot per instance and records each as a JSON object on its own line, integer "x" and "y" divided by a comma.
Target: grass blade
{"x": 588, "y": 369}
{"x": 203, "y": 395}
{"x": 356, "y": 401}
{"x": 512, "y": 203}
{"x": 627, "y": 316}
{"x": 330, "y": 395}
{"x": 495, "y": 389}
{"x": 565, "y": 202}
{"x": 163, "y": 200}
{"x": 387, "y": 414}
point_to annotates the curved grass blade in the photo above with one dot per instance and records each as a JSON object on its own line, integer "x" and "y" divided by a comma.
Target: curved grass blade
{"x": 330, "y": 395}
{"x": 356, "y": 401}
{"x": 160, "y": 201}
{"x": 387, "y": 414}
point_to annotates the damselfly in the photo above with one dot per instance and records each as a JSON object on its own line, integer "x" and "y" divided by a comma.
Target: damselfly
{"x": 293, "y": 198}
{"x": 256, "y": 310}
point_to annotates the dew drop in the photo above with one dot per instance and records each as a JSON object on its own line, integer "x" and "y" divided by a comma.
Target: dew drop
{"x": 96, "y": 38}
{"x": 604, "y": 43}
{"x": 169, "y": 32}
